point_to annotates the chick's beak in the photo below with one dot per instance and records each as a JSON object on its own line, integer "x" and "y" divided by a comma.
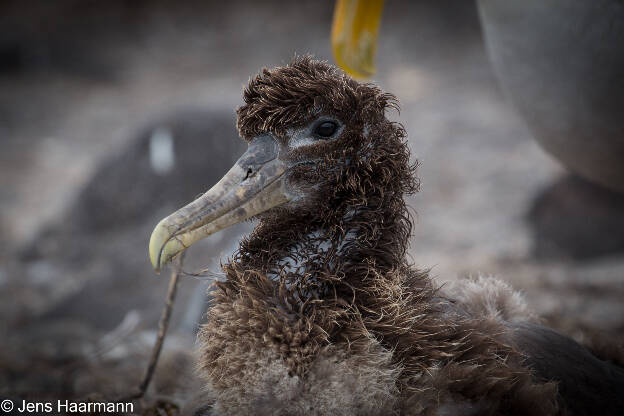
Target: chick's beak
{"x": 253, "y": 185}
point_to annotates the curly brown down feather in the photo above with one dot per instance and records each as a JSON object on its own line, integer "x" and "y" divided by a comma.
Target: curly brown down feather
{"x": 321, "y": 312}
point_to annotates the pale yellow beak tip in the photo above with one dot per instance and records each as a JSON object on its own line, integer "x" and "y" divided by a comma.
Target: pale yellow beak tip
{"x": 158, "y": 239}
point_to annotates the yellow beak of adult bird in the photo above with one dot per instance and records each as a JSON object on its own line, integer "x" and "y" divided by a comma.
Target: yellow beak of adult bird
{"x": 354, "y": 35}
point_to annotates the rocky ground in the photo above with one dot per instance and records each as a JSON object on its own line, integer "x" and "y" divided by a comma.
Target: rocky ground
{"x": 88, "y": 90}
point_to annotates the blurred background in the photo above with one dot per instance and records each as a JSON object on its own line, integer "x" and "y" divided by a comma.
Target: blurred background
{"x": 113, "y": 114}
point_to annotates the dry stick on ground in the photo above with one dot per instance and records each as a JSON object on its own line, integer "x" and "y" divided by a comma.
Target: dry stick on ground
{"x": 163, "y": 324}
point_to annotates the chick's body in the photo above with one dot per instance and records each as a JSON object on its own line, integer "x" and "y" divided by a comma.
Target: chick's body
{"x": 320, "y": 312}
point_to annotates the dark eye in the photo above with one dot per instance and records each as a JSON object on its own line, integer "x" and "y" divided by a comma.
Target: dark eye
{"x": 326, "y": 129}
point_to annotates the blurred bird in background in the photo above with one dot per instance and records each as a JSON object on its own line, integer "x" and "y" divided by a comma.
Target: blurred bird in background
{"x": 561, "y": 63}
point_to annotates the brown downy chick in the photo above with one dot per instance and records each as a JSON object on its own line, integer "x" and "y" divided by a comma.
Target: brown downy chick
{"x": 321, "y": 313}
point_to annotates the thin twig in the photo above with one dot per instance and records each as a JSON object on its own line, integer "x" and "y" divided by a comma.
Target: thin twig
{"x": 163, "y": 324}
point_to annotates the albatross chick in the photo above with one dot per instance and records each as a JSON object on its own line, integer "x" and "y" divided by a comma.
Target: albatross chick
{"x": 321, "y": 313}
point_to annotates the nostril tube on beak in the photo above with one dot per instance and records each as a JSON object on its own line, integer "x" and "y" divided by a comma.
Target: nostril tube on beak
{"x": 249, "y": 174}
